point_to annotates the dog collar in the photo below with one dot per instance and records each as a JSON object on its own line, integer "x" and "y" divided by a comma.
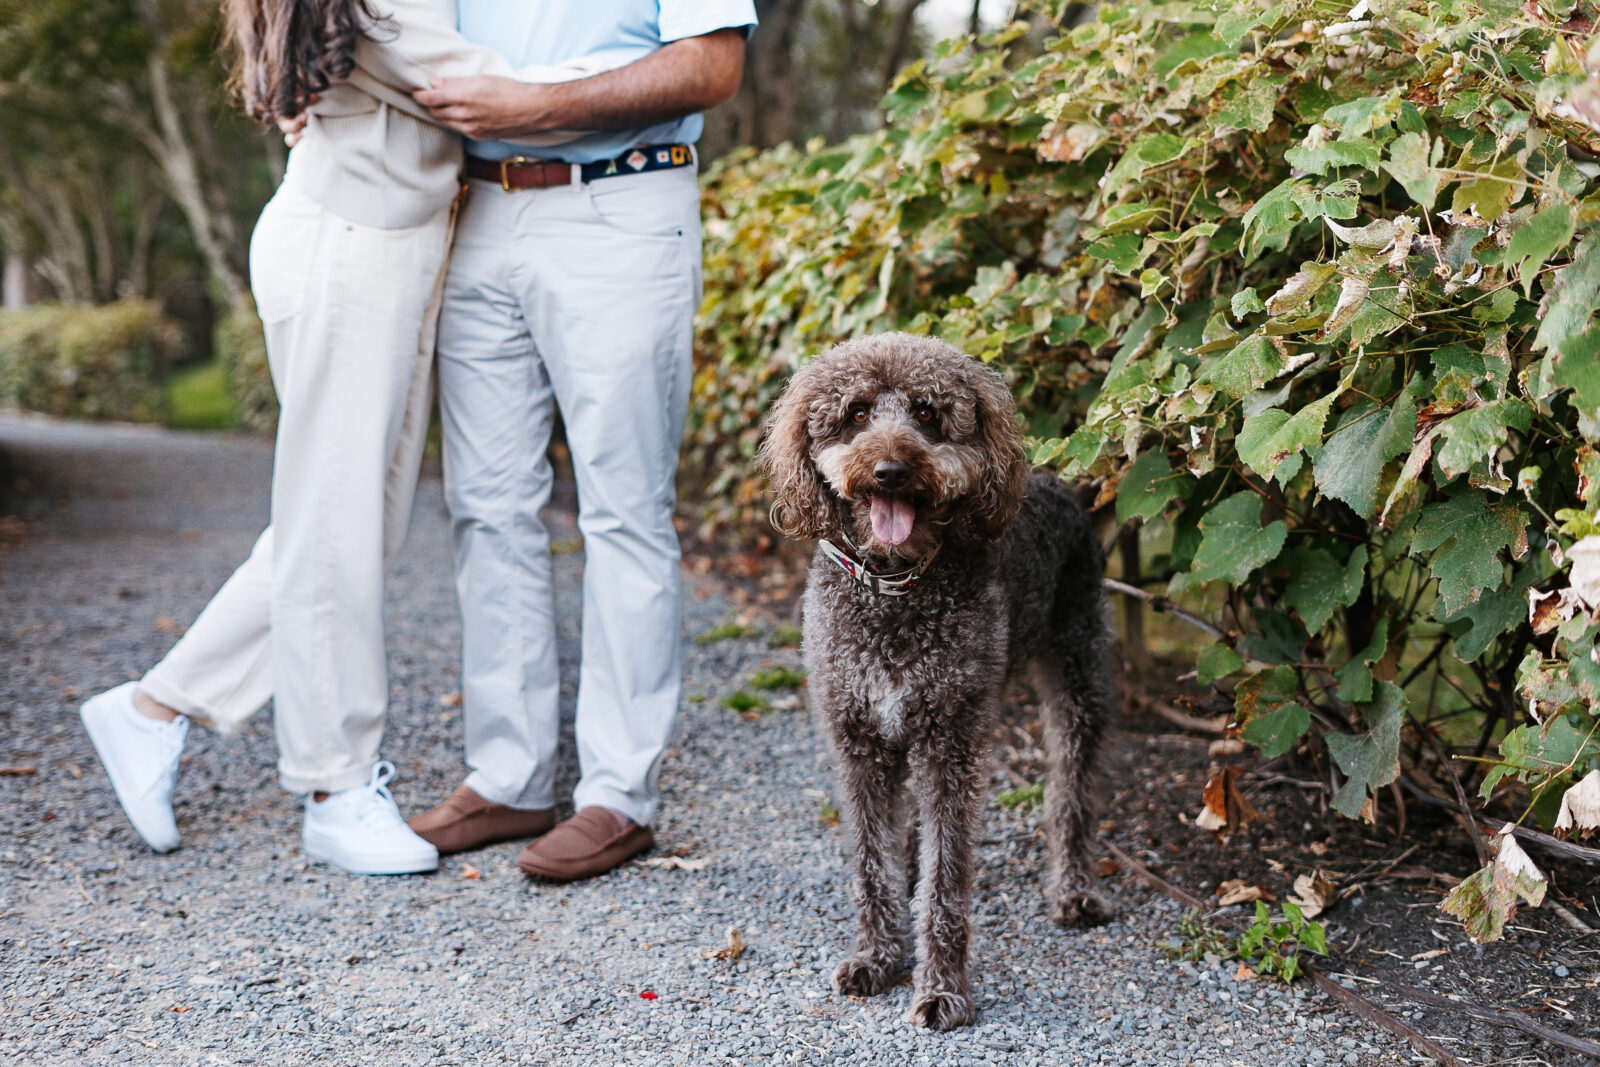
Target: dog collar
{"x": 897, "y": 584}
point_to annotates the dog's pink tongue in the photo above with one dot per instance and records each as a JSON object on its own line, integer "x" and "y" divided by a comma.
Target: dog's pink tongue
{"x": 891, "y": 519}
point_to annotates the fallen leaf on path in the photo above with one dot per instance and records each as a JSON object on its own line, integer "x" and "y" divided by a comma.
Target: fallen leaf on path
{"x": 450, "y": 700}
{"x": 1107, "y": 867}
{"x": 1244, "y": 973}
{"x": 1315, "y": 893}
{"x": 677, "y": 863}
{"x": 732, "y": 950}
{"x": 1226, "y": 806}
{"x": 1238, "y": 891}
{"x": 469, "y": 871}
{"x": 1318, "y": 848}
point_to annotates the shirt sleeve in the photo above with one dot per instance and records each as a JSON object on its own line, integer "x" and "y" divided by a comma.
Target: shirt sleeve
{"x": 416, "y": 44}
{"x": 693, "y": 18}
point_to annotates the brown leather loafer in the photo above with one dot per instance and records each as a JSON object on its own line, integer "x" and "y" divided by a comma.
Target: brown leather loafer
{"x": 585, "y": 845}
{"x": 467, "y": 821}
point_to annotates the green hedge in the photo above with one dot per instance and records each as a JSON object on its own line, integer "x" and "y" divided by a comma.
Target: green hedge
{"x": 240, "y": 346}
{"x": 85, "y": 361}
{"x": 1307, "y": 288}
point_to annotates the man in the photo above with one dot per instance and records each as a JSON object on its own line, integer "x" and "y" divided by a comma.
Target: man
{"x": 574, "y": 282}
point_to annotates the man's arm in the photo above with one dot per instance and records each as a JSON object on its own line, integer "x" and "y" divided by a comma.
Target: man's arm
{"x": 678, "y": 79}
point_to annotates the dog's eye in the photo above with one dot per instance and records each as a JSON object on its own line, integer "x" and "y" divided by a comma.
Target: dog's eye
{"x": 922, "y": 413}
{"x": 858, "y": 413}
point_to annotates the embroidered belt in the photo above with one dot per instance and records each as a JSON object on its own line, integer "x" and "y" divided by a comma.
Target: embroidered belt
{"x": 522, "y": 172}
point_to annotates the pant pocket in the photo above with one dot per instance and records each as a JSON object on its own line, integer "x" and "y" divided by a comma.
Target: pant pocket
{"x": 283, "y": 252}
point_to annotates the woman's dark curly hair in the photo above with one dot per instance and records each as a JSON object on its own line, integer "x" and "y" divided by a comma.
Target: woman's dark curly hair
{"x": 288, "y": 50}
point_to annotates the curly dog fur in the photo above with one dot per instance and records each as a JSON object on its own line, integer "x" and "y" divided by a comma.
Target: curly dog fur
{"x": 908, "y": 687}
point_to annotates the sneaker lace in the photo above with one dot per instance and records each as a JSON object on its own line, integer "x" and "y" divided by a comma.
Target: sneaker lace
{"x": 377, "y": 808}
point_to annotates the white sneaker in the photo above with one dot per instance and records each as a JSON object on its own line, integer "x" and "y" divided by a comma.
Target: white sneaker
{"x": 361, "y": 830}
{"x": 140, "y": 755}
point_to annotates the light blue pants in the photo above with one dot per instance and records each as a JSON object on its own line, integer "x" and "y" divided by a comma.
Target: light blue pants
{"x": 581, "y": 297}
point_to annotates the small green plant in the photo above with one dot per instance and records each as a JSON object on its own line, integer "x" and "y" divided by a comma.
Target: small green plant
{"x": 697, "y": 698}
{"x": 779, "y": 678}
{"x": 1278, "y": 945}
{"x": 827, "y": 814}
{"x": 1198, "y": 939}
{"x": 1270, "y": 949}
{"x": 744, "y": 702}
{"x": 728, "y": 631}
{"x": 784, "y": 635}
{"x": 1025, "y": 799}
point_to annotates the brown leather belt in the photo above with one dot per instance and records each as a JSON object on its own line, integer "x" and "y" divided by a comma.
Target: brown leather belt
{"x": 519, "y": 172}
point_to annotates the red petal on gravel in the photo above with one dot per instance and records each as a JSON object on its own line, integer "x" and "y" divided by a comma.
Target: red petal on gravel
{"x": 647, "y": 995}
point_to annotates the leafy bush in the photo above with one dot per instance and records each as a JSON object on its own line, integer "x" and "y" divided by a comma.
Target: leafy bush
{"x": 241, "y": 347}
{"x": 86, "y": 361}
{"x": 201, "y": 398}
{"x": 1306, "y": 289}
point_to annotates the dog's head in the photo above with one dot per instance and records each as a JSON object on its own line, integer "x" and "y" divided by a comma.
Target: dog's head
{"x": 899, "y": 441}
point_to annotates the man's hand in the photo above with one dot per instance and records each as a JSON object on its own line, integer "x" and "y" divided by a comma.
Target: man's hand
{"x": 677, "y": 79}
{"x": 486, "y": 108}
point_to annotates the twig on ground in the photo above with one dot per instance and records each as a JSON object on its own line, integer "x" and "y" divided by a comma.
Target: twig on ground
{"x": 1552, "y": 845}
{"x": 1372, "y": 1013}
{"x": 1162, "y": 604}
{"x": 1218, "y": 726}
{"x": 1568, "y": 916}
{"x": 1516, "y": 1021}
{"x": 4, "y": 771}
{"x": 1150, "y": 878}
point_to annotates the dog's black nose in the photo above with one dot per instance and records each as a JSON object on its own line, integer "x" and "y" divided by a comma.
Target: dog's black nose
{"x": 891, "y": 473}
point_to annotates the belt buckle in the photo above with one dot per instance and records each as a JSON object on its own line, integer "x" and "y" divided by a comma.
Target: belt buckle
{"x": 513, "y": 161}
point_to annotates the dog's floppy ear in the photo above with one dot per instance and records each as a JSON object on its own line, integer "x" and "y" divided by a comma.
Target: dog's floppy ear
{"x": 1000, "y": 485}
{"x": 804, "y": 508}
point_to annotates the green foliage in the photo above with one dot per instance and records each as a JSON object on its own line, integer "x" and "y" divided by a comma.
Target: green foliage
{"x": 1302, "y": 301}
{"x": 745, "y": 702}
{"x": 727, "y": 631}
{"x": 240, "y": 346}
{"x": 778, "y": 678}
{"x": 201, "y": 398}
{"x": 87, "y": 362}
{"x": 784, "y": 635}
{"x": 1272, "y": 949}
{"x": 1025, "y": 799}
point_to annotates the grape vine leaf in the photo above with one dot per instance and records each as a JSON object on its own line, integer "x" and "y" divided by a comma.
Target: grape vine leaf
{"x": 1486, "y": 900}
{"x": 1234, "y": 542}
{"x": 1215, "y": 661}
{"x": 1468, "y": 534}
{"x": 1246, "y": 367}
{"x": 1570, "y": 300}
{"x": 1318, "y": 585}
{"x": 1537, "y": 240}
{"x": 1369, "y": 760}
{"x": 1349, "y": 466}
{"x": 1148, "y": 485}
{"x": 1267, "y": 439}
{"x": 1355, "y": 677}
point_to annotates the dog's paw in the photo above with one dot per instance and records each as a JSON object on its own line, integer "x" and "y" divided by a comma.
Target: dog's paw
{"x": 1077, "y": 909}
{"x": 864, "y": 976}
{"x": 942, "y": 1011}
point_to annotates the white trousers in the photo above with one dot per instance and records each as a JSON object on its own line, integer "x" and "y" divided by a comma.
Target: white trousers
{"x": 581, "y": 297}
{"x": 350, "y": 314}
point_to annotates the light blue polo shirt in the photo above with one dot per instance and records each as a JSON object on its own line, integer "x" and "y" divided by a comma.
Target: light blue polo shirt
{"x": 547, "y": 32}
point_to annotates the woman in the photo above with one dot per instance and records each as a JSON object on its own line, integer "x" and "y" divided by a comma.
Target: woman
{"x": 346, "y": 265}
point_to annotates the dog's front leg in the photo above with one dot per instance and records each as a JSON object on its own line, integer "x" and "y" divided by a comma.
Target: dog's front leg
{"x": 874, "y": 788}
{"x": 947, "y": 780}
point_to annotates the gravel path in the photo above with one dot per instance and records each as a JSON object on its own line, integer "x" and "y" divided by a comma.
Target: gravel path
{"x": 234, "y": 951}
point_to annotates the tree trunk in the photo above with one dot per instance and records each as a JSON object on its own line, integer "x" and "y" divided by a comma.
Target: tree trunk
{"x": 762, "y": 113}
{"x": 14, "y": 281}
